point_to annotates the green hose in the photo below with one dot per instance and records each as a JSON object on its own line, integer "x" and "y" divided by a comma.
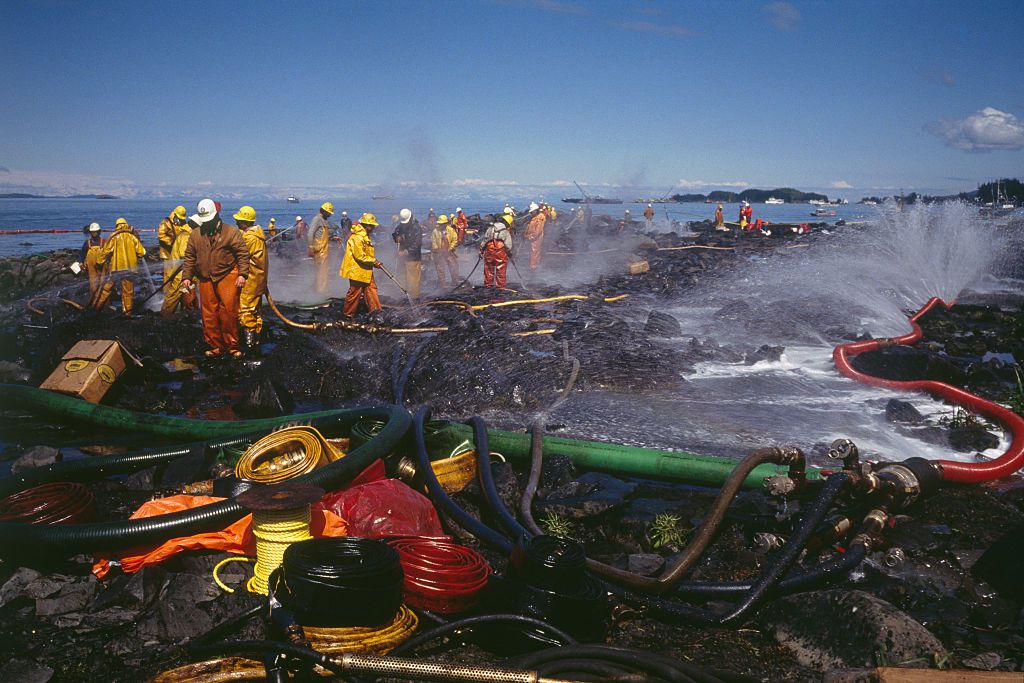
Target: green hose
{"x": 648, "y": 463}
{"x": 70, "y": 409}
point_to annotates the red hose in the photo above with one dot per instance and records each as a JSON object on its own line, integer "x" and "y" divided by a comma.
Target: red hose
{"x": 951, "y": 470}
{"x": 54, "y": 503}
{"x": 440, "y": 576}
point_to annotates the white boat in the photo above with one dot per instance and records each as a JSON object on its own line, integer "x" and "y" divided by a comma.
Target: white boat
{"x": 822, "y": 211}
{"x": 293, "y": 200}
{"x": 816, "y": 201}
{"x": 774, "y": 200}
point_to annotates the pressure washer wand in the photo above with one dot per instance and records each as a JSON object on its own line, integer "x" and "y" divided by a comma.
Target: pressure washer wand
{"x": 392, "y": 278}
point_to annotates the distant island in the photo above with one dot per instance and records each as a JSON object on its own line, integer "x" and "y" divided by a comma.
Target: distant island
{"x": 787, "y": 194}
{"x": 25, "y": 195}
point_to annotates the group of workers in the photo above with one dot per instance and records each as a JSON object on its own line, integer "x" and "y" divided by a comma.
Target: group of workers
{"x": 222, "y": 269}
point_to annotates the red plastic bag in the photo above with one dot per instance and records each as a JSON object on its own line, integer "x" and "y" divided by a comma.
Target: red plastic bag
{"x": 384, "y": 508}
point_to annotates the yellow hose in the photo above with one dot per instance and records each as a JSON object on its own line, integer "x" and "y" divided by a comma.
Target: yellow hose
{"x": 361, "y": 639}
{"x": 275, "y": 530}
{"x": 285, "y": 454}
{"x": 532, "y": 333}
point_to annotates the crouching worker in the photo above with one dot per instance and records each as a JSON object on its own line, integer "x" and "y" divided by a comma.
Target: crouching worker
{"x": 121, "y": 253}
{"x": 358, "y": 265}
{"x": 496, "y": 246}
{"x": 217, "y": 257}
{"x": 256, "y": 284}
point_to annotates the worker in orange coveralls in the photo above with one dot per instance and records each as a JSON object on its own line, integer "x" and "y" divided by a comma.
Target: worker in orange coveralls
{"x": 535, "y": 235}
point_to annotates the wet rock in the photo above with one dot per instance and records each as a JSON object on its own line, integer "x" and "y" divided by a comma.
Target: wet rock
{"x": 72, "y": 597}
{"x": 845, "y": 629}
{"x": 15, "y": 586}
{"x": 12, "y": 373}
{"x": 764, "y": 353}
{"x": 1002, "y": 565}
{"x": 134, "y": 591}
{"x": 558, "y": 470}
{"x": 971, "y": 438}
{"x": 662, "y": 325}
{"x": 645, "y": 564}
{"x": 986, "y": 661}
{"x": 264, "y": 396}
{"x": 44, "y": 587}
{"x": 143, "y": 480}
{"x": 25, "y": 671}
{"x": 590, "y": 495}
{"x": 902, "y": 411}
{"x": 39, "y": 456}
{"x": 906, "y": 363}
{"x": 507, "y": 485}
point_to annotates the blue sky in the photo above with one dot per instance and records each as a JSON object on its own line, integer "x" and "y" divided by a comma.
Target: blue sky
{"x": 455, "y": 96}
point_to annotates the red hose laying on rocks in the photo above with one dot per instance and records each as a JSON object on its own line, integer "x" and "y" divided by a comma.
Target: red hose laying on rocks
{"x": 950, "y": 470}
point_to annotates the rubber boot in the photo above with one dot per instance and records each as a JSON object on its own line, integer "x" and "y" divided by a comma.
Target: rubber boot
{"x": 251, "y": 339}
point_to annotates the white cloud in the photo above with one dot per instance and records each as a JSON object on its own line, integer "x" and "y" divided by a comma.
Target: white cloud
{"x": 841, "y": 185}
{"x": 659, "y": 29}
{"x": 693, "y": 184}
{"x": 983, "y": 131}
{"x": 61, "y": 183}
{"x": 781, "y": 15}
{"x": 481, "y": 182}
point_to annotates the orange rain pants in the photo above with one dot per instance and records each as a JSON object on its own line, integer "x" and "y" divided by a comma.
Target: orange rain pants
{"x": 219, "y": 304}
{"x": 361, "y": 291}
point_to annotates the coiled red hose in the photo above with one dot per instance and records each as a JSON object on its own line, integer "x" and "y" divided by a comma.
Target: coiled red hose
{"x": 58, "y": 502}
{"x": 960, "y": 472}
{"x": 440, "y": 576}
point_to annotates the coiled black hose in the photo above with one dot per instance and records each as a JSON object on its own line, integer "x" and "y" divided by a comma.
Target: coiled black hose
{"x": 473, "y": 623}
{"x": 437, "y": 492}
{"x": 601, "y": 662}
{"x": 28, "y": 541}
{"x": 486, "y": 475}
{"x": 338, "y": 582}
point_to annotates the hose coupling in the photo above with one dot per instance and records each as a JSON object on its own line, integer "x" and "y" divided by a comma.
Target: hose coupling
{"x": 886, "y": 343}
{"x": 766, "y": 542}
{"x": 895, "y": 558}
{"x": 847, "y": 451}
{"x": 900, "y": 484}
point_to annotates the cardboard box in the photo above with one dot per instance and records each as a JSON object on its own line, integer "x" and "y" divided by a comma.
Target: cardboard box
{"x": 89, "y": 369}
{"x": 637, "y": 267}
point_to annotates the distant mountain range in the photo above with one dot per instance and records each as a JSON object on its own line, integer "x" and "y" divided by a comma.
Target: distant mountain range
{"x": 25, "y": 195}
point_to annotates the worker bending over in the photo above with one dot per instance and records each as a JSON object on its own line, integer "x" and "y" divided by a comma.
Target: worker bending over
{"x": 256, "y": 284}
{"x": 216, "y": 256}
{"x": 535, "y": 235}
{"x": 121, "y": 253}
{"x": 357, "y": 265}
{"x": 319, "y": 238}
{"x": 495, "y": 249}
{"x": 409, "y": 237}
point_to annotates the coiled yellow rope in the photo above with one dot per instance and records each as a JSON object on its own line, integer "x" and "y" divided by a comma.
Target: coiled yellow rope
{"x": 275, "y": 531}
{"x": 362, "y": 639}
{"x": 285, "y": 454}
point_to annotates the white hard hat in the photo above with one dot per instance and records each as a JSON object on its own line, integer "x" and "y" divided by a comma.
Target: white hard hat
{"x": 344, "y": 213}
{"x": 648, "y": 206}
{"x": 206, "y": 211}
{"x": 298, "y": 218}
{"x": 533, "y": 206}
{"x": 508, "y": 209}
{"x": 404, "y": 216}
{"x": 94, "y": 227}
{"x": 458, "y": 209}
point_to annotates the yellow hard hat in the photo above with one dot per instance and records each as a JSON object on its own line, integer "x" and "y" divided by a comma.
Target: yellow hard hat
{"x": 442, "y": 219}
{"x": 120, "y": 221}
{"x": 329, "y": 208}
{"x": 273, "y": 220}
{"x": 246, "y": 213}
{"x": 367, "y": 219}
{"x": 507, "y": 217}
{"x": 180, "y": 212}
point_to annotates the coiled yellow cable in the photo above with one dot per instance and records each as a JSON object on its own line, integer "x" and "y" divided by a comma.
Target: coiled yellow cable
{"x": 364, "y": 640}
{"x": 275, "y": 531}
{"x": 285, "y": 454}
{"x": 216, "y": 571}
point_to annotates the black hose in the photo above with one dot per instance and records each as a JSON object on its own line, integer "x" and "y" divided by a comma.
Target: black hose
{"x": 474, "y": 622}
{"x": 410, "y": 363}
{"x": 822, "y": 573}
{"x": 24, "y": 540}
{"x": 340, "y": 582}
{"x": 441, "y": 498}
{"x": 486, "y": 475}
{"x": 759, "y": 589}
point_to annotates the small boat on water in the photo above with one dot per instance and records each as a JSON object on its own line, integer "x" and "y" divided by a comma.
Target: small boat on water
{"x": 774, "y": 200}
{"x": 594, "y": 199}
{"x": 293, "y": 199}
{"x": 382, "y": 197}
{"x": 822, "y": 211}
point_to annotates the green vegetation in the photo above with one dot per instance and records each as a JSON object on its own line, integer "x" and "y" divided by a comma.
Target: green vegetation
{"x": 556, "y": 525}
{"x": 666, "y": 531}
{"x": 788, "y": 194}
{"x": 961, "y": 418}
{"x": 1012, "y": 188}
{"x": 1017, "y": 399}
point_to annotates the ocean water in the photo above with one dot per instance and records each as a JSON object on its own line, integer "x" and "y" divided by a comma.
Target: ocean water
{"x": 146, "y": 214}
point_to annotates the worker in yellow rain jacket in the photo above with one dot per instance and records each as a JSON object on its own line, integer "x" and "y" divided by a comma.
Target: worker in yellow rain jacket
{"x": 319, "y": 238}
{"x": 90, "y": 252}
{"x": 174, "y": 298}
{"x": 357, "y": 265}
{"x": 256, "y": 284}
{"x": 165, "y": 234}
{"x": 121, "y": 254}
